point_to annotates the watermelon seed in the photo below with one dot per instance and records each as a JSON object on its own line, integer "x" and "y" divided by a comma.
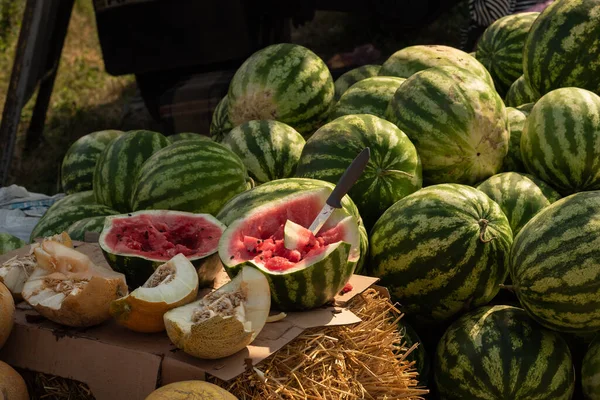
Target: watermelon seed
{"x": 478, "y": 154}
{"x": 231, "y": 258}
{"x": 210, "y": 237}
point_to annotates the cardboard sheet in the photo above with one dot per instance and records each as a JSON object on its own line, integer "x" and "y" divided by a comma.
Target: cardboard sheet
{"x": 129, "y": 365}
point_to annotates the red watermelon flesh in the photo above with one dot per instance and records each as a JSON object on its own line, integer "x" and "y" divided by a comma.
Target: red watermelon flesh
{"x": 161, "y": 236}
{"x": 261, "y": 238}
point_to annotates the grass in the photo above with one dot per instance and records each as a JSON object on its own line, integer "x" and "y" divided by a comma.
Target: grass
{"x": 87, "y": 99}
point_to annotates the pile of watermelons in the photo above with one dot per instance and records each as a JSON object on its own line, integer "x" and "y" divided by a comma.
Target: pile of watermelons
{"x": 481, "y": 201}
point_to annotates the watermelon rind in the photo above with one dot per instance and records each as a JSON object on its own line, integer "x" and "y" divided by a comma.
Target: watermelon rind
{"x": 555, "y": 262}
{"x": 79, "y": 163}
{"x": 590, "y": 371}
{"x": 285, "y": 82}
{"x": 441, "y": 251}
{"x": 269, "y": 149}
{"x": 498, "y": 352}
{"x": 78, "y": 229}
{"x": 368, "y": 96}
{"x": 457, "y": 122}
{"x": 394, "y": 169}
{"x": 313, "y": 281}
{"x": 85, "y": 197}
{"x": 9, "y": 242}
{"x": 513, "y": 162}
{"x": 273, "y": 190}
{"x": 562, "y": 48}
{"x": 500, "y": 48}
{"x": 349, "y": 78}
{"x": 407, "y": 61}
{"x": 559, "y": 143}
{"x": 520, "y": 93}
{"x": 118, "y": 166}
{"x": 137, "y": 269}
{"x": 520, "y": 196}
{"x": 220, "y": 123}
{"x": 186, "y": 136}
{"x": 197, "y": 176}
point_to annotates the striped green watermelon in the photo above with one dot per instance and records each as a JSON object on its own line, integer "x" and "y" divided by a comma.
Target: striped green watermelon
{"x": 520, "y": 196}
{"x": 500, "y": 48}
{"x": 86, "y": 197}
{"x": 516, "y": 122}
{"x": 285, "y": 82}
{"x": 419, "y": 355}
{"x": 555, "y": 262}
{"x": 349, "y": 78}
{"x": 559, "y": 143}
{"x": 441, "y": 251}
{"x": 406, "y": 62}
{"x": 9, "y": 242}
{"x": 520, "y": 93}
{"x": 306, "y": 271}
{"x": 498, "y": 352}
{"x": 526, "y": 108}
{"x": 369, "y": 96}
{"x": 269, "y": 149}
{"x": 59, "y": 219}
{"x": 590, "y": 371}
{"x": 457, "y": 122}
{"x": 118, "y": 166}
{"x": 393, "y": 171}
{"x": 268, "y": 192}
{"x": 186, "y": 136}
{"x": 77, "y": 169}
{"x": 562, "y": 48}
{"x": 220, "y": 123}
{"x": 78, "y": 229}
{"x": 197, "y": 176}
{"x": 136, "y": 243}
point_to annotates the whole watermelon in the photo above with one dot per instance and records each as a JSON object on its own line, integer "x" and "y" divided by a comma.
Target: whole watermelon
{"x": 562, "y": 48}
{"x": 78, "y": 229}
{"x": 86, "y": 197}
{"x": 267, "y": 192}
{"x": 559, "y": 143}
{"x": 285, "y": 82}
{"x": 516, "y": 122}
{"x": 590, "y": 371}
{"x": 349, "y": 78}
{"x": 393, "y": 171}
{"x": 118, "y": 165}
{"x": 77, "y": 168}
{"x": 269, "y": 149}
{"x": 9, "y": 242}
{"x": 369, "y": 96}
{"x": 457, "y": 122}
{"x": 197, "y": 176}
{"x": 520, "y": 93}
{"x": 419, "y": 355}
{"x": 500, "y": 48}
{"x": 440, "y": 251}
{"x": 520, "y": 196}
{"x": 410, "y": 60}
{"x": 498, "y": 352}
{"x": 186, "y": 136}
{"x": 220, "y": 123}
{"x": 555, "y": 262}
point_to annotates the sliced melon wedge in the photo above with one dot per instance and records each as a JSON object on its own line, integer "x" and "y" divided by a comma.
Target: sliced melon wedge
{"x": 172, "y": 284}
{"x": 224, "y": 321}
{"x": 15, "y": 271}
{"x": 69, "y": 289}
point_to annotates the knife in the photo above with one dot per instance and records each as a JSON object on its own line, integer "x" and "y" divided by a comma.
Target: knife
{"x": 350, "y": 176}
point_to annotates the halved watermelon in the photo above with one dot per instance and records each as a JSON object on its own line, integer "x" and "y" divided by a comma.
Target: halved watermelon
{"x": 137, "y": 243}
{"x": 316, "y": 267}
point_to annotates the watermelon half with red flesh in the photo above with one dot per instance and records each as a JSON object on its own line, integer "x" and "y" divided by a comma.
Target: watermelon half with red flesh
{"x": 135, "y": 244}
{"x": 311, "y": 269}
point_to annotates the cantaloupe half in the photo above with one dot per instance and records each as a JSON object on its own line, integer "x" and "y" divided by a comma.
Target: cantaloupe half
{"x": 12, "y": 384}
{"x": 172, "y": 284}
{"x": 224, "y": 321}
{"x": 7, "y": 314}
{"x": 198, "y": 390}
{"x": 69, "y": 289}
{"x": 15, "y": 271}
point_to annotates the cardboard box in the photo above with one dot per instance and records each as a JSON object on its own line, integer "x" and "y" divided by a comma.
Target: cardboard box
{"x": 120, "y": 364}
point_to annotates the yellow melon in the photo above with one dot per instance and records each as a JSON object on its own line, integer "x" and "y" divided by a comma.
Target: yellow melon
{"x": 7, "y": 314}
{"x": 224, "y": 321}
{"x": 12, "y": 385}
{"x": 172, "y": 284}
{"x": 199, "y": 390}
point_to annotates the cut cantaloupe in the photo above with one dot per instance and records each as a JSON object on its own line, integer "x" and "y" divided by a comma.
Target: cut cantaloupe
{"x": 173, "y": 284}
{"x": 7, "y": 314}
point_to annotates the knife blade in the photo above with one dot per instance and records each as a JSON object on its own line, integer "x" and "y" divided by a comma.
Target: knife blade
{"x": 350, "y": 176}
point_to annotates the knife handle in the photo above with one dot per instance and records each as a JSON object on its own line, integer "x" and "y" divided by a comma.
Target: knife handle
{"x": 350, "y": 176}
